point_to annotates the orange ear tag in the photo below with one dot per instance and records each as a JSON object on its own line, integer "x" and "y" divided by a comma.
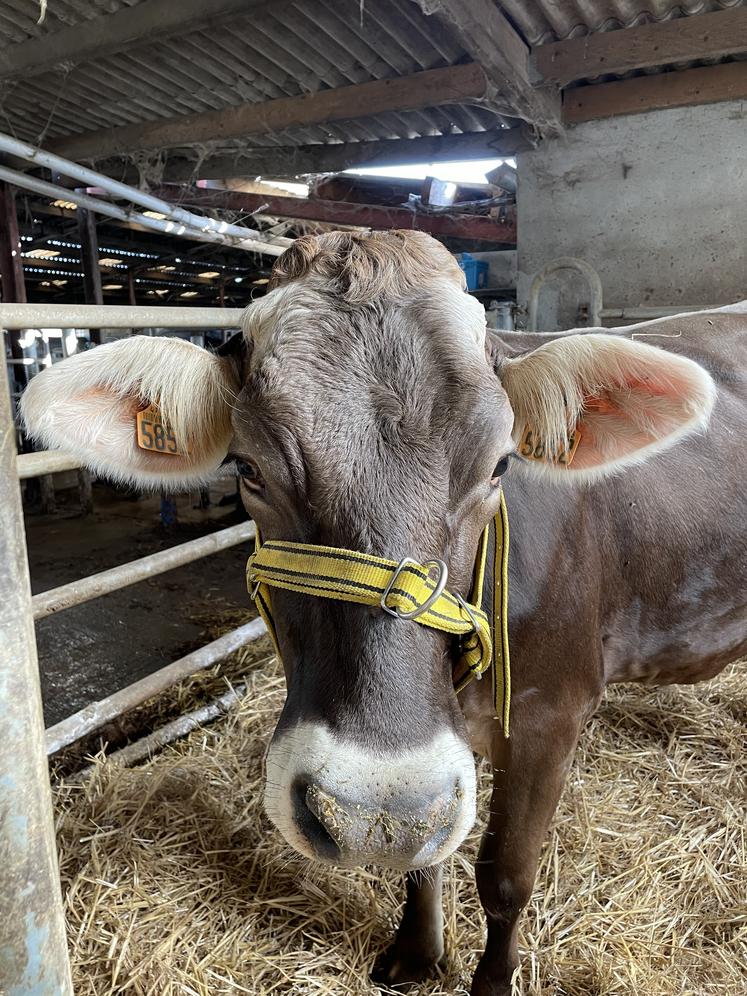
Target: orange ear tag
{"x": 533, "y": 449}
{"x": 154, "y": 434}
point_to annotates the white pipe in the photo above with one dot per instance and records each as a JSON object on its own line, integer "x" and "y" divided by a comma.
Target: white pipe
{"x": 147, "y": 746}
{"x": 44, "y": 462}
{"x": 76, "y": 592}
{"x": 127, "y": 214}
{"x": 116, "y": 316}
{"x": 644, "y": 313}
{"x": 93, "y": 179}
{"x": 97, "y": 713}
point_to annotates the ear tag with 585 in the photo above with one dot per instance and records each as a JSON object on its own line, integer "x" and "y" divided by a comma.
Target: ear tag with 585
{"x": 154, "y": 434}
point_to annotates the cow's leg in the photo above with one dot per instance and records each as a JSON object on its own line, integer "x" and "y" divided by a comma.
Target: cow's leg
{"x": 419, "y": 944}
{"x": 529, "y": 771}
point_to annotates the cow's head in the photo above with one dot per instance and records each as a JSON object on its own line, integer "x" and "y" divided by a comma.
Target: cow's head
{"x": 365, "y": 410}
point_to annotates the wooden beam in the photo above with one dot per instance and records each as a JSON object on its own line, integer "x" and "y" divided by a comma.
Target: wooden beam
{"x": 718, "y": 34}
{"x": 430, "y": 88}
{"x": 491, "y": 40}
{"x": 464, "y": 226}
{"x": 146, "y": 22}
{"x": 291, "y": 161}
{"x": 649, "y": 93}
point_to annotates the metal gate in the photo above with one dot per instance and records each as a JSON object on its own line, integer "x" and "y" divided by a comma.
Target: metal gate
{"x": 33, "y": 949}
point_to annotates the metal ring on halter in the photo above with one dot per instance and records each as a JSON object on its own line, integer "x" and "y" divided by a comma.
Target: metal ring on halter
{"x": 443, "y": 577}
{"x": 255, "y": 589}
{"x": 475, "y": 626}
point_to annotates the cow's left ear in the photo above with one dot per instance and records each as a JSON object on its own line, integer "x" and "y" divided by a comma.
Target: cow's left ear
{"x": 596, "y": 402}
{"x": 88, "y": 405}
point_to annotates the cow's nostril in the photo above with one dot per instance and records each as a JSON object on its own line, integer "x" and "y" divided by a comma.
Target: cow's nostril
{"x": 310, "y": 820}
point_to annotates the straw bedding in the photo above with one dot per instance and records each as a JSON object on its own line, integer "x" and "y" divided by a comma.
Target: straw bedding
{"x": 176, "y": 884}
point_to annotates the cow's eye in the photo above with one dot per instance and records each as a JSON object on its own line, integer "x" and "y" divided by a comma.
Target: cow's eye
{"x": 250, "y": 474}
{"x": 500, "y": 469}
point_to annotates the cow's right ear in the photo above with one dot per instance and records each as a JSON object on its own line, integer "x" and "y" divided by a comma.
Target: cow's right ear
{"x": 87, "y": 405}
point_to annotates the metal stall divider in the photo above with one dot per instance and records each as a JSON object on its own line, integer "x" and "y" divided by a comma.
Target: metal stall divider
{"x": 33, "y": 951}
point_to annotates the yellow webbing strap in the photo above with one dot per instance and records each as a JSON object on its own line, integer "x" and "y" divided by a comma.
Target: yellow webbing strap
{"x": 349, "y": 576}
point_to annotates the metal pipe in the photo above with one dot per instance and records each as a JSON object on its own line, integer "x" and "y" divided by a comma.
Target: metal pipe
{"x": 44, "y": 462}
{"x": 567, "y": 263}
{"x": 116, "y": 316}
{"x": 33, "y": 949}
{"x": 147, "y": 746}
{"x": 56, "y": 599}
{"x": 645, "y": 314}
{"x": 93, "y": 179}
{"x": 164, "y": 226}
{"x": 95, "y": 715}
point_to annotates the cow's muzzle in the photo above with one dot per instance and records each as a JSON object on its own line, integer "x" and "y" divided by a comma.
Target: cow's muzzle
{"x": 340, "y": 803}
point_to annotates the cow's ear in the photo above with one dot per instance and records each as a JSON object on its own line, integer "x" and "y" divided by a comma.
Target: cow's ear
{"x": 88, "y": 405}
{"x": 586, "y": 405}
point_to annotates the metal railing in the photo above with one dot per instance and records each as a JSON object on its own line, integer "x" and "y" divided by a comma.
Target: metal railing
{"x": 33, "y": 951}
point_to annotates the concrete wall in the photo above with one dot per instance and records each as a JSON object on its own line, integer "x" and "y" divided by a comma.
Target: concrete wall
{"x": 656, "y": 202}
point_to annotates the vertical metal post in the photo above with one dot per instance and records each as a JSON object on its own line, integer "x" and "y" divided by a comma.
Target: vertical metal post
{"x": 33, "y": 951}
{"x": 85, "y": 492}
{"x": 89, "y": 257}
{"x": 11, "y": 271}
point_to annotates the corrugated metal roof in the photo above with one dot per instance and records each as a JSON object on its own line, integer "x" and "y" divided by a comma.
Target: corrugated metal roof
{"x": 292, "y": 48}
{"x": 542, "y": 21}
{"x": 282, "y": 48}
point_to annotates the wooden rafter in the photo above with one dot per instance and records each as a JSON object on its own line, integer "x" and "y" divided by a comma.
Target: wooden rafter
{"x": 430, "y": 88}
{"x": 153, "y": 20}
{"x": 291, "y": 161}
{"x": 704, "y": 36}
{"x": 374, "y": 216}
{"x": 687, "y": 88}
{"x": 491, "y": 40}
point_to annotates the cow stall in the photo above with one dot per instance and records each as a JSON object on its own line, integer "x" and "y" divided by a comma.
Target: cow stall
{"x": 155, "y": 160}
{"x": 173, "y": 881}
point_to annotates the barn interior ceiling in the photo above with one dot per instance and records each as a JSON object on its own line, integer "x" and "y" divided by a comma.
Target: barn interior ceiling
{"x": 155, "y": 93}
{"x": 79, "y": 80}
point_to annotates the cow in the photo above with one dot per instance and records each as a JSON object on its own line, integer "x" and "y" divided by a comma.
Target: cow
{"x": 367, "y": 408}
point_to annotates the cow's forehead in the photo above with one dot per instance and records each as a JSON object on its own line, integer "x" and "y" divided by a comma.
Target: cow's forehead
{"x": 393, "y": 393}
{"x": 304, "y": 314}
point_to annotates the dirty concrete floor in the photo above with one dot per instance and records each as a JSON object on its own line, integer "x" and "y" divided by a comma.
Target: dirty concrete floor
{"x": 94, "y": 649}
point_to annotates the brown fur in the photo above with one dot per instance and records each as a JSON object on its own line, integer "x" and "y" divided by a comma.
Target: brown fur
{"x": 376, "y": 413}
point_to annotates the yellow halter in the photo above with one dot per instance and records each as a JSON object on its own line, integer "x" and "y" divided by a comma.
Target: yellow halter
{"x": 405, "y": 590}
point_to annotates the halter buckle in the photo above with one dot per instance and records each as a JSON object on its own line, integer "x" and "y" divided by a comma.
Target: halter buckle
{"x": 443, "y": 577}
{"x": 255, "y": 588}
{"x": 475, "y": 626}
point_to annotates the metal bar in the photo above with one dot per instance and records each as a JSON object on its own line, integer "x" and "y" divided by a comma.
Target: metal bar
{"x": 33, "y": 950}
{"x": 124, "y": 192}
{"x": 56, "y": 599}
{"x": 147, "y": 746}
{"x": 116, "y": 316}
{"x": 95, "y": 715}
{"x": 167, "y": 225}
{"x": 11, "y": 273}
{"x": 644, "y": 314}
{"x": 44, "y": 462}
{"x": 89, "y": 258}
